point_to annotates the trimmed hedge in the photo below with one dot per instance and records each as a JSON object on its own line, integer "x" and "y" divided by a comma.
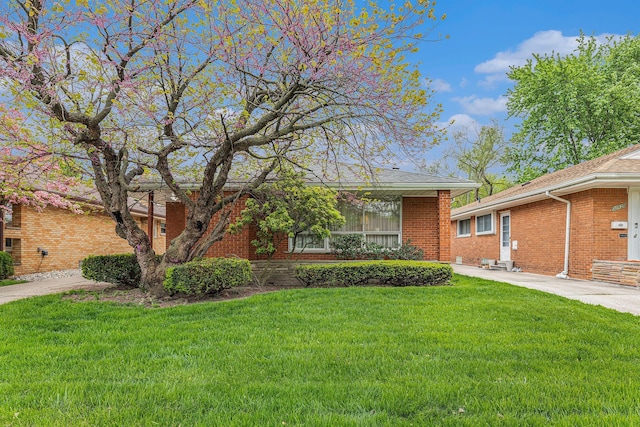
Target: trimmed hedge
{"x": 6, "y": 264}
{"x": 390, "y": 273}
{"x": 207, "y": 276}
{"x": 122, "y": 269}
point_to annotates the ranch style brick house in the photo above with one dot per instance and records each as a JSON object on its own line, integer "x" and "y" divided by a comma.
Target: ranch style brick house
{"x": 581, "y": 222}
{"x": 402, "y": 206}
{"x": 58, "y": 239}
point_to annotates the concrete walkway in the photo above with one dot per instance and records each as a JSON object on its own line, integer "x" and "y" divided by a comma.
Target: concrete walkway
{"x": 621, "y": 298}
{"x": 45, "y": 287}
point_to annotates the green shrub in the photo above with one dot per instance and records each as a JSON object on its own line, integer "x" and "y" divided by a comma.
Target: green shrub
{"x": 354, "y": 246}
{"x": 390, "y": 273}
{"x": 407, "y": 252}
{"x": 6, "y": 265}
{"x": 207, "y": 276}
{"x": 347, "y": 246}
{"x": 122, "y": 269}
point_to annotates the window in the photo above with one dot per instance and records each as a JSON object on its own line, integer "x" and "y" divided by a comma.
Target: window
{"x": 12, "y": 247}
{"x": 160, "y": 227}
{"x": 378, "y": 221}
{"x": 484, "y": 224}
{"x": 464, "y": 227}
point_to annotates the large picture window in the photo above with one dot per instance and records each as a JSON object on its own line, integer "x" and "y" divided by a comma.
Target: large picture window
{"x": 378, "y": 221}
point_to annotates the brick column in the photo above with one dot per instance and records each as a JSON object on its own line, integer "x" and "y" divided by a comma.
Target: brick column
{"x": 444, "y": 223}
{"x": 176, "y": 221}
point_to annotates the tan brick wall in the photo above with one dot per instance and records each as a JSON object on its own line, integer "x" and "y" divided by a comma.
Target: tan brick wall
{"x": 539, "y": 229}
{"x": 67, "y": 237}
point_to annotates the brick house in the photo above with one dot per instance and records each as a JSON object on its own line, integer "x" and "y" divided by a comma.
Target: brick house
{"x": 403, "y": 206}
{"x": 581, "y": 221}
{"x": 58, "y": 239}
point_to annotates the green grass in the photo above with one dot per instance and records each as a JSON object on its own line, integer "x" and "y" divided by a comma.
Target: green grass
{"x": 7, "y": 282}
{"x": 479, "y": 353}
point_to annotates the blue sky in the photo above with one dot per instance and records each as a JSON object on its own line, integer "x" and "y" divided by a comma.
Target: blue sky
{"x": 485, "y": 37}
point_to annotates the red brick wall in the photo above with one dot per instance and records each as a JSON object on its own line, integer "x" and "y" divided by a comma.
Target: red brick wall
{"x": 472, "y": 249}
{"x": 233, "y": 245}
{"x": 539, "y": 229}
{"x": 444, "y": 220}
{"x": 422, "y": 219}
{"x": 420, "y": 224}
{"x": 607, "y": 243}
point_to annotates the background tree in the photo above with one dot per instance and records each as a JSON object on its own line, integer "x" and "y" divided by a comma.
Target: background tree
{"x": 477, "y": 153}
{"x": 574, "y": 108}
{"x": 187, "y": 89}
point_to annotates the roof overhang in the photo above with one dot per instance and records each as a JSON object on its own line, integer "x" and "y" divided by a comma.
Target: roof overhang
{"x": 383, "y": 189}
{"x": 599, "y": 180}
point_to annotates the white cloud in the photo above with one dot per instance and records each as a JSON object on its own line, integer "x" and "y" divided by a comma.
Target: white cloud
{"x": 492, "y": 80}
{"x": 483, "y": 106}
{"x": 543, "y": 42}
{"x": 440, "y": 85}
{"x": 463, "y": 82}
{"x": 458, "y": 122}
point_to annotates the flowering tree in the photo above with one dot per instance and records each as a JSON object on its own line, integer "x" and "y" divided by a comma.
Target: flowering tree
{"x": 190, "y": 89}
{"x": 29, "y": 174}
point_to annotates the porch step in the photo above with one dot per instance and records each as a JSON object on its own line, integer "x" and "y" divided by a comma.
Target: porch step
{"x": 503, "y": 265}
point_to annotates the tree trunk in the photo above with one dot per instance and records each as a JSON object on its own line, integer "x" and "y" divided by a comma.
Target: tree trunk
{"x": 152, "y": 278}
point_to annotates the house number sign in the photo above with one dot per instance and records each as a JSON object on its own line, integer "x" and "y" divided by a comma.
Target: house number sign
{"x": 618, "y": 207}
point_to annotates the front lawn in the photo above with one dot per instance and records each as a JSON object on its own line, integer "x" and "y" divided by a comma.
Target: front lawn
{"x": 477, "y": 353}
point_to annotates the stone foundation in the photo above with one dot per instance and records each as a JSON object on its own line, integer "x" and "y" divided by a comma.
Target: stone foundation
{"x": 619, "y": 272}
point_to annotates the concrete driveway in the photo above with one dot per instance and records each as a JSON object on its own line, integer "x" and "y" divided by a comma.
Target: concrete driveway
{"x": 45, "y": 287}
{"x": 621, "y": 298}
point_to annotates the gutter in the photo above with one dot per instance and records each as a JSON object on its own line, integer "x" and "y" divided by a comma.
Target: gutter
{"x": 564, "y": 274}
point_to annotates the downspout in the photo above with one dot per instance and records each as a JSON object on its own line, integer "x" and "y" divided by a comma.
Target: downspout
{"x": 564, "y": 274}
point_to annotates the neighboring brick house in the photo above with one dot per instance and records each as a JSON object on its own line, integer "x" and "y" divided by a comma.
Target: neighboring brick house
{"x": 58, "y": 239}
{"x": 527, "y": 224}
{"x": 404, "y": 207}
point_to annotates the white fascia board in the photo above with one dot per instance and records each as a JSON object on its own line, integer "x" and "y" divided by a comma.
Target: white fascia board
{"x": 580, "y": 184}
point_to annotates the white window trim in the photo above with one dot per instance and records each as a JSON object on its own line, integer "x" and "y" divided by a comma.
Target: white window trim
{"x": 493, "y": 225}
{"x": 458, "y": 228}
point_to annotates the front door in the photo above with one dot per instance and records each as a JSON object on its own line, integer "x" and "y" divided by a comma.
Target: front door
{"x": 505, "y": 236}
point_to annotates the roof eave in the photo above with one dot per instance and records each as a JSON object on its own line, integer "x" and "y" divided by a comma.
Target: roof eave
{"x": 456, "y": 188}
{"x": 579, "y": 184}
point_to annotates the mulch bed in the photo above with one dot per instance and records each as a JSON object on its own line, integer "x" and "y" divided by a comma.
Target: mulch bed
{"x": 134, "y": 296}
